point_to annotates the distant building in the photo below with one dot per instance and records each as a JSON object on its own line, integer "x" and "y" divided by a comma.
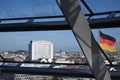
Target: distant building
{"x": 41, "y": 49}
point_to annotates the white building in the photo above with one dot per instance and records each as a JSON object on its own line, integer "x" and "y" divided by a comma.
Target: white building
{"x": 41, "y": 49}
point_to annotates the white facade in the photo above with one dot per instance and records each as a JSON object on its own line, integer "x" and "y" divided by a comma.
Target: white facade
{"x": 41, "y": 49}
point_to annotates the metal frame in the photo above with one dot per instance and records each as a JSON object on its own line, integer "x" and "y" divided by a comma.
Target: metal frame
{"x": 53, "y": 71}
{"x": 59, "y": 25}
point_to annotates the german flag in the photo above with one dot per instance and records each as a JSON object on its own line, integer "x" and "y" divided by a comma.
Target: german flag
{"x": 107, "y": 42}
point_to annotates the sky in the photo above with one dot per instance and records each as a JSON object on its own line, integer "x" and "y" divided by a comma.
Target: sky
{"x": 62, "y": 40}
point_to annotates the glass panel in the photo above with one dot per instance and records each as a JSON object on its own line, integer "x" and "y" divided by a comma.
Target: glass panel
{"x": 99, "y": 16}
{"x": 13, "y": 21}
{"x": 117, "y": 15}
{"x": 103, "y": 5}
{"x": 114, "y": 32}
{"x": 83, "y": 7}
{"x": 28, "y": 8}
{"x": 49, "y": 19}
{"x": 16, "y": 46}
{"x": 8, "y": 40}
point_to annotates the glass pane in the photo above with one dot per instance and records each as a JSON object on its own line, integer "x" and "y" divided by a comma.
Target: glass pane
{"x": 103, "y": 5}
{"x": 65, "y": 49}
{"x": 28, "y": 8}
{"x": 15, "y": 46}
{"x": 83, "y": 7}
{"x": 117, "y": 15}
{"x": 113, "y": 32}
{"x": 99, "y": 16}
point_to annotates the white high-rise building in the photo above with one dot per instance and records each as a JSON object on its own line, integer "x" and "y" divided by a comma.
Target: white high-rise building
{"x": 41, "y": 49}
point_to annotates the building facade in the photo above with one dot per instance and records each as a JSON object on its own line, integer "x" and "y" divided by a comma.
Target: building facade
{"x": 41, "y": 49}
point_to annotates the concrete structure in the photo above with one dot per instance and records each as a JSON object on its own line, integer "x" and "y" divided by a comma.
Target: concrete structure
{"x": 41, "y": 49}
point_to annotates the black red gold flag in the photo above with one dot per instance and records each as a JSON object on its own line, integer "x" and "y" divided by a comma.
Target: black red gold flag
{"x": 107, "y": 42}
